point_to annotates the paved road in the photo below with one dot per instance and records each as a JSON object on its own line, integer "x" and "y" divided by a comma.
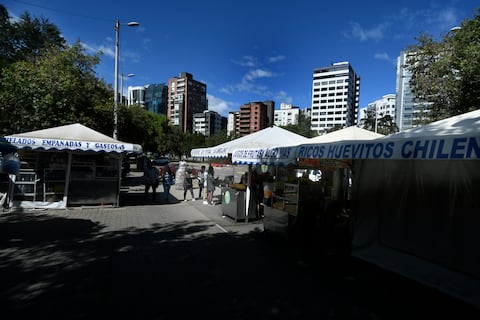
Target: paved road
{"x": 182, "y": 260}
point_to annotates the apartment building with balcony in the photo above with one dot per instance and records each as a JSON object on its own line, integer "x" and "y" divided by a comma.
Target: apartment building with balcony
{"x": 253, "y": 117}
{"x": 186, "y": 97}
{"x": 335, "y": 97}
{"x": 208, "y": 123}
{"x": 286, "y": 115}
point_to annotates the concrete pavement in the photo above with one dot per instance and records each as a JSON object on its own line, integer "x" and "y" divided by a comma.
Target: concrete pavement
{"x": 182, "y": 260}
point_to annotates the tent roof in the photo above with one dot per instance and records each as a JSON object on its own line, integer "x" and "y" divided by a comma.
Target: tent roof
{"x": 349, "y": 133}
{"x": 71, "y": 137}
{"x": 456, "y": 138}
{"x": 268, "y": 137}
{"x": 463, "y": 124}
{"x": 74, "y": 131}
{"x": 6, "y": 147}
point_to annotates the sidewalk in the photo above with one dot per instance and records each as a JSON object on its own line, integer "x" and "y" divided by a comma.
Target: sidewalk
{"x": 182, "y": 260}
{"x": 132, "y": 195}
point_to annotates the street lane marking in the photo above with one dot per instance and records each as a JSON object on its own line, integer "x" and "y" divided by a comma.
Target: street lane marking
{"x": 219, "y": 227}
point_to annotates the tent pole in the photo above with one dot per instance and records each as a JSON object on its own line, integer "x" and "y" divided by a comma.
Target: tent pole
{"x": 67, "y": 179}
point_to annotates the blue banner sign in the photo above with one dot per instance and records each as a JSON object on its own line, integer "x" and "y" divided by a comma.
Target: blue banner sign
{"x": 436, "y": 148}
{"x": 58, "y": 144}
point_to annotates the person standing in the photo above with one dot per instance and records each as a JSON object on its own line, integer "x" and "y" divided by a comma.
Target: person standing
{"x": 188, "y": 185}
{"x": 201, "y": 182}
{"x": 210, "y": 186}
{"x": 151, "y": 175}
{"x": 167, "y": 179}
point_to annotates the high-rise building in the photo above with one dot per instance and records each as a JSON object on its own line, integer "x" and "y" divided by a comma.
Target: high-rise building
{"x": 185, "y": 98}
{"x": 408, "y": 112}
{"x": 270, "y": 112}
{"x": 156, "y": 97}
{"x": 233, "y": 122}
{"x": 136, "y": 96}
{"x": 287, "y": 115}
{"x": 253, "y": 117}
{"x": 335, "y": 97}
{"x": 152, "y": 97}
{"x": 208, "y": 123}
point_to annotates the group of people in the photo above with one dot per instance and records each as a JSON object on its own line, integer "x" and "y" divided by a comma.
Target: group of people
{"x": 206, "y": 182}
{"x": 152, "y": 180}
{"x": 206, "y": 185}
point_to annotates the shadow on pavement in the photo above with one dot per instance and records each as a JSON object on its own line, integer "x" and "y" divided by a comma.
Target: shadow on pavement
{"x": 61, "y": 268}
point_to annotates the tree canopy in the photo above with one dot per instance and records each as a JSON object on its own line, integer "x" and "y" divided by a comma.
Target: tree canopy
{"x": 445, "y": 73}
{"x": 44, "y": 83}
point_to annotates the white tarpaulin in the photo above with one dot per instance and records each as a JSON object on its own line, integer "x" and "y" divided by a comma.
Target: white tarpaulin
{"x": 71, "y": 137}
{"x": 416, "y": 212}
{"x": 269, "y": 137}
{"x": 348, "y": 133}
{"x": 283, "y": 154}
{"x": 454, "y": 138}
{"x": 272, "y": 156}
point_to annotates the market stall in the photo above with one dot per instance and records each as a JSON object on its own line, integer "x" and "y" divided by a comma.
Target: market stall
{"x": 66, "y": 166}
{"x": 416, "y": 205}
{"x": 413, "y": 198}
{"x": 308, "y": 195}
{"x": 246, "y": 206}
{"x": 9, "y": 165}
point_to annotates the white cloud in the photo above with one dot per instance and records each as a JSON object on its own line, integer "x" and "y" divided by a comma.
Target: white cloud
{"x": 219, "y": 105}
{"x": 247, "y": 61}
{"x": 375, "y": 33}
{"x": 386, "y": 57}
{"x": 283, "y": 97}
{"x": 257, "y": 74}
{"x": 108, "y": 51}
{"x": 444, "y": 18}
{"x": 276, "y": 58}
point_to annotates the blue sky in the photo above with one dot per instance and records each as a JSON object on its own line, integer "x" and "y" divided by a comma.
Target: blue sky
{"x": 250, "y": 50}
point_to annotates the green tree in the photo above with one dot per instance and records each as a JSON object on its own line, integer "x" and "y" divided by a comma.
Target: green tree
{"x": 368, "y": 123}
{"x": 384, "y": 124}
{"x": 133, "y": 124}
{"x": 26, "y": 38}
{"x": 303, "y": 127}
{"x": 57, "y": 88}
{"x": 192, "y": 141}
{"x": 6, "y": 41}
{"x": 217, "y": 138}
{"x": 445, "y": 73}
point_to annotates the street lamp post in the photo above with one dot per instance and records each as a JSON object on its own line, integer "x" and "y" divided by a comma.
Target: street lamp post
{"x": 121, "y": 84}
{"x": 115, "y": 97}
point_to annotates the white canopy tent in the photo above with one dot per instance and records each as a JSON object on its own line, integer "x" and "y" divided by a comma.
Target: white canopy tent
{"x": 415, "y": 198}
{"x": 348, "y": 133}
{"x": 73, "y": 162}
{"x": 282, "y": 154}
{"x": 416, "y": 205}
{"x": 270, "y": 137}
{"x": 71, "y": 137}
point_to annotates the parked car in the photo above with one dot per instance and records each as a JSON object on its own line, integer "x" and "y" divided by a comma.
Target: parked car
{"x": 161, "y": 161}
{"x": 174, "y": 167}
